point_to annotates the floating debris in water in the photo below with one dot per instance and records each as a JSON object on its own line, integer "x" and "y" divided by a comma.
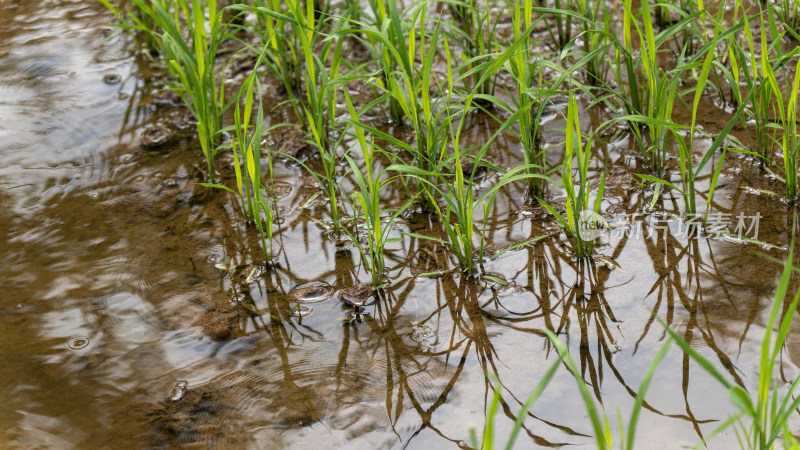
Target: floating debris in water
{"x": 315, "y": 291}
{"x": 254, "y": 273}
{"x": 608, "y": 262}
{"x": 181, "y": 386}
{"x": 434, "y": 274}
{"x": 359, "y": 295}
{"x": 311, "y": 202}
{"x": 78, "y": 343}
{"x": 752, "y": 190}
{"x": 494, "y": 279}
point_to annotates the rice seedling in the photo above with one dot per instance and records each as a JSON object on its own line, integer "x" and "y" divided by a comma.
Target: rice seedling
{"x": 576, "y": 221}
{"x": 449, "y": 183}
{"x": 140, "y": 25}
{"x": 385, "y": 61}
{"x": 748, "y": 67}
{"x": 393, "y": 40}
{"x": 246, "y": 147}
{"x": 322, "y": 84}
{"x": 278, "y": 32}
{"x": 788, "y": 12}
{"x": 408, "y": 87}
{"x": 641, "y": 99}
{"x": 366, "y": 204}
{"x": 562, "y": 34}
{"x": 476, "y": 28}
{"x": 526, "y": 71}
{"x": 762, "y": 415}
{"x": 787, "y": 115}
{"x": 596, "y": 41}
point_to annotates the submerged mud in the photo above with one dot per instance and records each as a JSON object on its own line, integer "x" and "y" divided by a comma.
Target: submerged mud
{"x": 120, "y": 327}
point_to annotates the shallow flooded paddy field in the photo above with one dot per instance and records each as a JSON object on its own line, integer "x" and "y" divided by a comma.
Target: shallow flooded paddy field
{"x": 391, "y": 253}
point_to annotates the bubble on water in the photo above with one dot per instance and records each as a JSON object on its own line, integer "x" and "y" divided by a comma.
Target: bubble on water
{"x": 181, "y": 386}
{"x": 315, "y": 291}
{"x": 421, "y": 333}
{"x": 359, "y": 295}
{"x": 126, "y": 158}
{"x": 182, "y": 120}
{"x": 281, "y": 189}
{"x": 167, "y": 97}
{"x": 169, "y": 183}
{"x": 19, "y": 306}
{"x": 112, "y": 78}
{"x": 78, "y": 343}
{"x": 94, "y": 195}
{"x": 301, "y": 311}
{"x": 154, "y": 135}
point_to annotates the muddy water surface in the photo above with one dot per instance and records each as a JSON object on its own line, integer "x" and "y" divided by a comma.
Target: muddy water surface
{"x": 120, "y": 331}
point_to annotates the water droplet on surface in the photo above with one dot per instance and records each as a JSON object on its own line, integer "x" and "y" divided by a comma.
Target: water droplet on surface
{"x": 78, "y": 343}
{"x": 181, "y": 386}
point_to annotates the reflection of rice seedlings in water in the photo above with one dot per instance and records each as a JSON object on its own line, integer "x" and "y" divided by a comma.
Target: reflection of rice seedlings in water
{"x": 603, "y": 436}
{"x": 763, "y": 415}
